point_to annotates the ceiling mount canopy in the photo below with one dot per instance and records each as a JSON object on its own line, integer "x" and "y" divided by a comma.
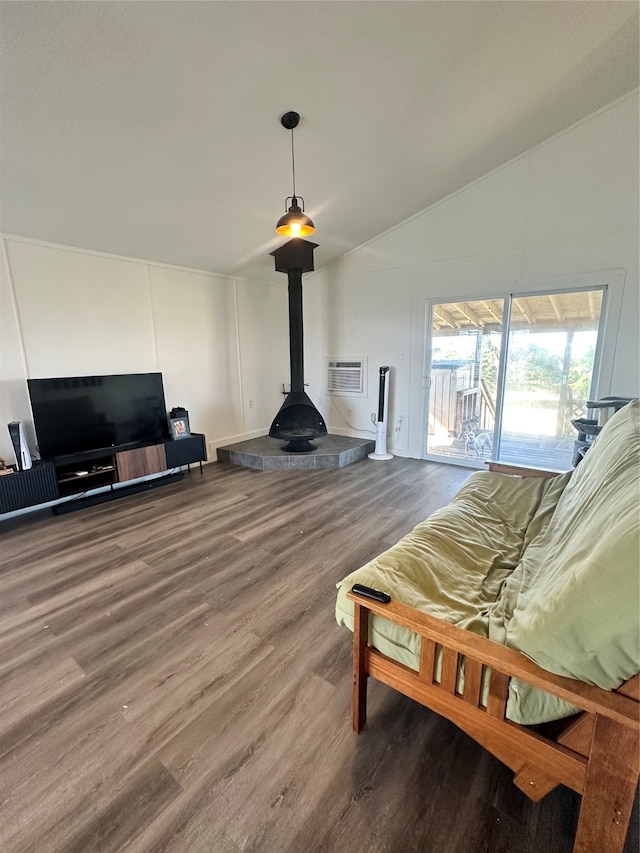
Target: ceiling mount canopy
{"x": 295, "y": 223}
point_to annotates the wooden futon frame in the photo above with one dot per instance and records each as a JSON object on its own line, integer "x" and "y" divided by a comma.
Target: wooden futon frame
{"x": 596, "y": 753}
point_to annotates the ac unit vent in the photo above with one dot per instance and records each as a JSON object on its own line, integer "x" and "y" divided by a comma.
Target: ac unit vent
{"x": 347, "y": 375}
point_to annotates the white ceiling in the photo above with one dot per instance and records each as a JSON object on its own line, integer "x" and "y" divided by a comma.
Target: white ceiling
{"x": 152, "y": 129}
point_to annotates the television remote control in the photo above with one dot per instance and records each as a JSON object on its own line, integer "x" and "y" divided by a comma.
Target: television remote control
{"x": 370, "y": 592}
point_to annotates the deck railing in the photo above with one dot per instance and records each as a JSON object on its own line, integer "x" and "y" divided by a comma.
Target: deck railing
{"x": 475, "y": 410}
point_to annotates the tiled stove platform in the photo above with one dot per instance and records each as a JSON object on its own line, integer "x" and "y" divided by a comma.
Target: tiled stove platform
{"x": 332, "y": 451}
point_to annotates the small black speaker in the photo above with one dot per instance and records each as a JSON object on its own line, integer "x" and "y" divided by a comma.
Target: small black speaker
{"x": 179, "y": 412}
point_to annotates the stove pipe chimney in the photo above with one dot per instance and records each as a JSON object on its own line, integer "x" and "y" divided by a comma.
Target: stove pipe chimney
{"x": 298, "y": 420}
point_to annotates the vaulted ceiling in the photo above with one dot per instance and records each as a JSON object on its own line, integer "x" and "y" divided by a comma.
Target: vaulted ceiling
{"x": 152, "y": 129}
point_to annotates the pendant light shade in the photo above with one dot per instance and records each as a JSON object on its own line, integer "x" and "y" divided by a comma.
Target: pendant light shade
{"x": 295, "y": 223}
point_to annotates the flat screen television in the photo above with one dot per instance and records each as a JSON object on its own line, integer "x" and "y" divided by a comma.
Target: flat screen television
{"x": 74, "y": 414}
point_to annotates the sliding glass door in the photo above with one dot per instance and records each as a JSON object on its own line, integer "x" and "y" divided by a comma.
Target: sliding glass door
{"x": 466, "y": 342}
{"x": 507, "y": 376}
{"x": 549, "y": 371}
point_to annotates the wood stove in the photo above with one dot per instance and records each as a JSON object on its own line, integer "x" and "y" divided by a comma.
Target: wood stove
{"x": 298, "y": 421}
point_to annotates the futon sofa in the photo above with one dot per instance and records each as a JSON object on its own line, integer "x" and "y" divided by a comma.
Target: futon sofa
{"x": 518, "y": 604}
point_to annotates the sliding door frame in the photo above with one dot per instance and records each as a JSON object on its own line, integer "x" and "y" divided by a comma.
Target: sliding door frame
{"x": 611, "y": 283}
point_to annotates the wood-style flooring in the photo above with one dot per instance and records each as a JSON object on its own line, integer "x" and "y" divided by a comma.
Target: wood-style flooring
{"x": 172, "y": 679}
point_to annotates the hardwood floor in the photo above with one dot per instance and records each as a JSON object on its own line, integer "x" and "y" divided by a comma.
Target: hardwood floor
{"x": 172, "y": 679}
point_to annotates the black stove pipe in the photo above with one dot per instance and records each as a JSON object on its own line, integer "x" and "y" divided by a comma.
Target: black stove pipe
{"x": 296, "y": 349}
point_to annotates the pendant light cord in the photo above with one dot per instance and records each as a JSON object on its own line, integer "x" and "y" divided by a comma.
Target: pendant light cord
{"x": 293, "y": 165}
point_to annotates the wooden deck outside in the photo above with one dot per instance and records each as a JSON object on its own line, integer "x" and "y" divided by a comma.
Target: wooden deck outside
{"x": 522, "y": 448}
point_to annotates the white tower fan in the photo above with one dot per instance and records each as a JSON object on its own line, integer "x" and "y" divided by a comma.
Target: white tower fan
{"x": 380, "y": 453}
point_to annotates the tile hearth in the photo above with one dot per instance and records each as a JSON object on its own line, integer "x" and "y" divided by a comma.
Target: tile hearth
{"x": 264, "y": 453}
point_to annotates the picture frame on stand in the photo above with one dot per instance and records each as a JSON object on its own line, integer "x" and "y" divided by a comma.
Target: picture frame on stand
{"x": 179, "y": 428}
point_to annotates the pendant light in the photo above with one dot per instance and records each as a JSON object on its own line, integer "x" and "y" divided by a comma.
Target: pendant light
{"x": 295, "y": 223}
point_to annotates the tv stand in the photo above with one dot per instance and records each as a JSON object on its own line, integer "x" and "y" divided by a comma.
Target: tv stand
{"x": 114, "y": 494}
{"x": 75, "y": 474}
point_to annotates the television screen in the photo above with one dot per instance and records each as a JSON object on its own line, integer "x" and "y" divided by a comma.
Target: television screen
{"x": 78, "y": 413}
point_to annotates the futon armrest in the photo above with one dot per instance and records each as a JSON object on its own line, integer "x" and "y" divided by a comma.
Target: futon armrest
{"x": 501, "y": 659}
{"x": 521, "y": 470}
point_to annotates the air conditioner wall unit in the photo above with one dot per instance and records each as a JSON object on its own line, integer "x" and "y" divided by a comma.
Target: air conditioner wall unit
{"x": 347, "y": 375}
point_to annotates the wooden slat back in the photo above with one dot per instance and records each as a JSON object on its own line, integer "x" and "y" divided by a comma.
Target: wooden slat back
{"x": 427, "y": 660}
{"x": 498, "y": 690}
{"x": 472, "y": 682}
{"x": 449, "y": 675}
{"x": 612, "y": 704}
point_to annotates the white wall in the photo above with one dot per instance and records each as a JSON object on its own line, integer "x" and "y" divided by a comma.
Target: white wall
{"x": 218, "y": 342}
{"x": 564, "y": 214}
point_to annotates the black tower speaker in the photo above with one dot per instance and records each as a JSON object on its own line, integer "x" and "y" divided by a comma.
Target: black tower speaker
{"x": 20, "y": 446}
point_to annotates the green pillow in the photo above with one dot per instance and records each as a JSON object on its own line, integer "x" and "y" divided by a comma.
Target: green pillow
{"x": 576, "y": 592}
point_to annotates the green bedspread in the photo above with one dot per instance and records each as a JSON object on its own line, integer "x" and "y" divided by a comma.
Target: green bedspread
{"x": 549, "y": 567}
